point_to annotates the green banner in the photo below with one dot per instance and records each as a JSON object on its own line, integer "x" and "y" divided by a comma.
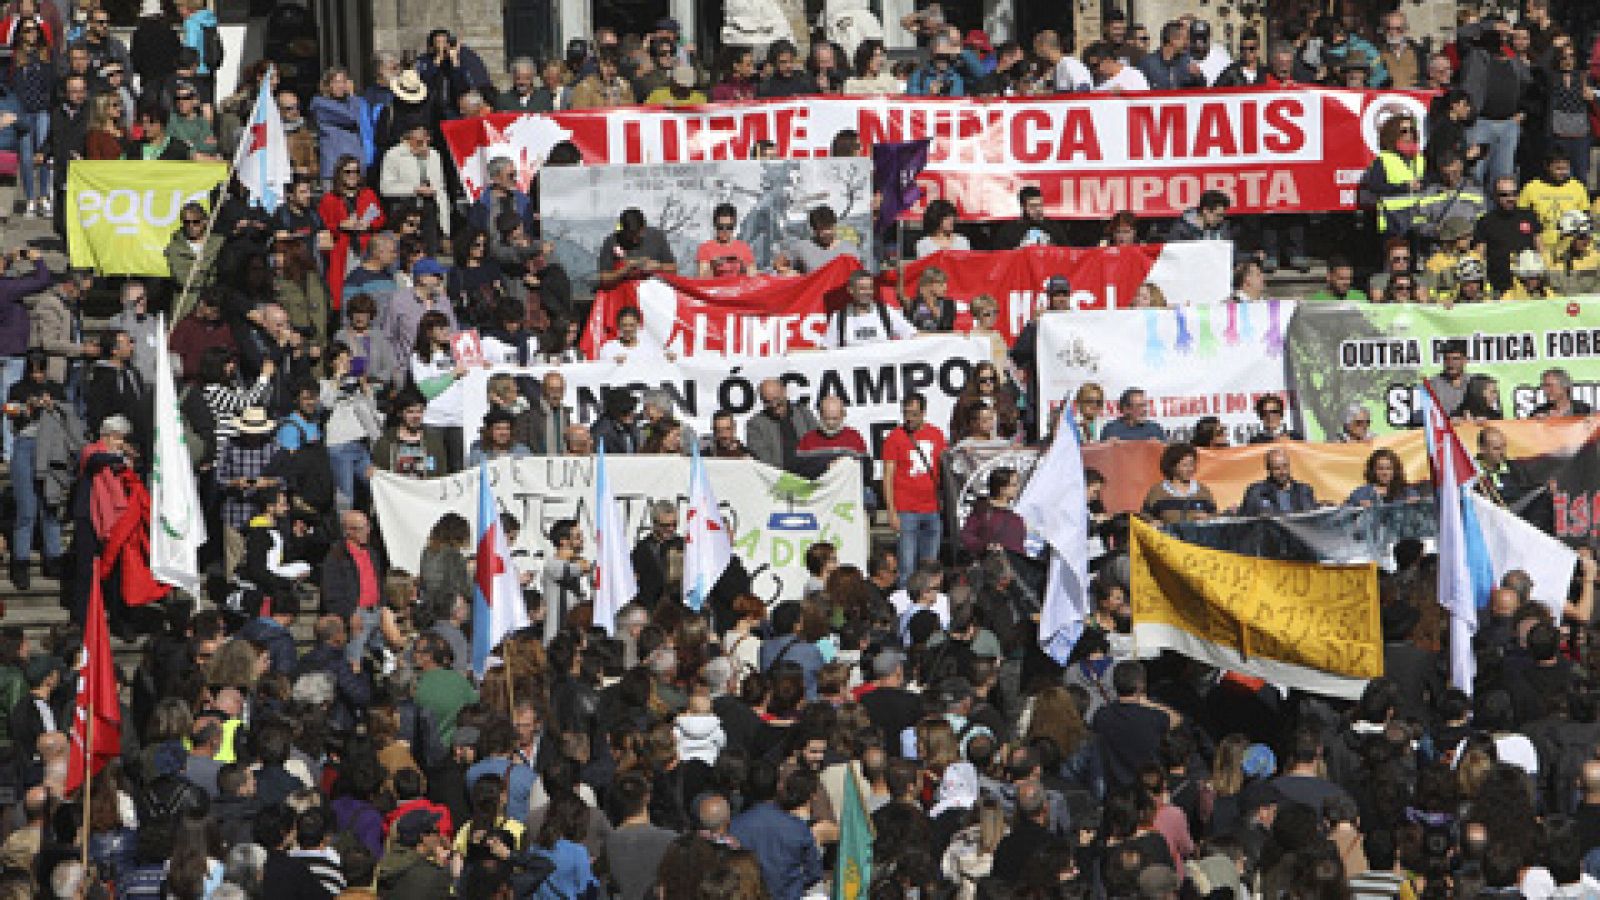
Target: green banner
{"x": 121, "y": 214}
{"x": 1377, "y": 355}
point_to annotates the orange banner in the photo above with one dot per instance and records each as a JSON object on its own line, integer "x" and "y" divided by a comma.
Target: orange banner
{"x": 1332, "y": 470}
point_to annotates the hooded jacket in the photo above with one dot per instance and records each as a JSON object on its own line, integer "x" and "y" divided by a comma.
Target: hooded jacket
{"x": 404, "y": 874}
{"x": 194, "y": 35}
{"x": 699, "y": 737}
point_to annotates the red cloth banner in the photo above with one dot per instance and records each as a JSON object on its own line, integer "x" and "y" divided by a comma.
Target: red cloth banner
{"x": 767, "y": 315}
{"x": 1271, "y": 150}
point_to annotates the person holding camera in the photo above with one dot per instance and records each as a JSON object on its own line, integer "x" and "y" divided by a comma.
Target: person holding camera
{"x": 939, "y": 77}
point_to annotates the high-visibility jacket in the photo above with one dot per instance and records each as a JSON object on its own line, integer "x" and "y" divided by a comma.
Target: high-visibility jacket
{"x": 1396, "y": 211}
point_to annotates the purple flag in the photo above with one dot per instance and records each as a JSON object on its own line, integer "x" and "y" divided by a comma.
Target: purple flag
{"x": 894, "y": 175}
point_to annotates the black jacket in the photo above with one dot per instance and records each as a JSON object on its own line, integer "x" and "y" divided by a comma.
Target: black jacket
{"x": 353, "y": 692}
{"x": 655, "y": 582}
{"x": 341, "y": 583}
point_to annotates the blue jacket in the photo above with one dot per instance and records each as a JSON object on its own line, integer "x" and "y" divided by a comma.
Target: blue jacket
{"x": 1165, "y": 76}
{"x": 790, "y": 860}
{"x": 482, "y": 213}
{"x": 521, "y": 782}
{"x": 194, "y": 35}
{"x": 793, "y": 650}
{"x": 342, "y": 127}
{"x": 279, "y": 642}
{"x": 11, "y": 136}
{"x": 921, "y": 81}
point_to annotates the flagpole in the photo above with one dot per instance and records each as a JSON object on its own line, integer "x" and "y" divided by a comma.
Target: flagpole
{"x": 179, "y": 307}
{"x": 88, "y": 779}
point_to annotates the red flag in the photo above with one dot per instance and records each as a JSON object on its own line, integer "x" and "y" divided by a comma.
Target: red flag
{"x": 97, "y": 697}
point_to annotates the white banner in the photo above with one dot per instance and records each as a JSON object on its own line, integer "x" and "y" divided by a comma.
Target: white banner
{"x": 1191, "y": 361}
{"x": 872, "y": 380}
{"x": 774, "y": 516}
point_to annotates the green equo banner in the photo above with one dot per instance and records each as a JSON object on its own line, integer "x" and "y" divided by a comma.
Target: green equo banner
{"x": 1377, "y": 355}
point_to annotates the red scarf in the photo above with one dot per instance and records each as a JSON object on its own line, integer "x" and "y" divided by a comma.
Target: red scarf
{"x": 128, "y": 541}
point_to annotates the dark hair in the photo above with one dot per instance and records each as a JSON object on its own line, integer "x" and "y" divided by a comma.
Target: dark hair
{"x": 1128, "y": 677}
{"x": 632, "y": 219}
{"x": 311, "y": 826}
{"x": 1397, "y": 487}
{"x": 822, "y": 217}
{"x": 724, "y": 209}
{"x": 423, "y": 346}
{"x": 629, "y": 795}
{"x": 1172, "y": 455}
{"x": 1028, "y": 193}
{"x": 864, "y": 53}
{"x": 937, "y": 211}
{"x": 915, "y": 397}
{"x": 1213, "y": 200}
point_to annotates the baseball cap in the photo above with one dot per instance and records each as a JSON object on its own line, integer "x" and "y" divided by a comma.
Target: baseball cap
{"x": 886, "y": 662}
{"x": 427, "y": 266}
{"x": 980, "y": 39}
{"x": 1200, "y": 29}
{"x": 414, "y": 826}
{"x": 1058, "y": 284}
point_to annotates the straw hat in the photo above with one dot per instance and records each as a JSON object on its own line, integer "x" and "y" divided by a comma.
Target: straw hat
{"x": 408, "y": 87}
{"x": 253, "y": 420}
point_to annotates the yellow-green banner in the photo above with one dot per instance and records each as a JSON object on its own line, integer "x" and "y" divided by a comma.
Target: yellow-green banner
{"x": 122, "y": 214}
{"x": 1304, "y": 625}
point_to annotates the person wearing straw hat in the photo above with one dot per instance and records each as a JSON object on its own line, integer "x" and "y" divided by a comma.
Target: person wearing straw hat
{"x": 413, "y": 105}
{"x": 245, "y": 464}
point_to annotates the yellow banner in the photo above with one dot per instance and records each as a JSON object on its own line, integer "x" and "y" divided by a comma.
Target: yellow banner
{"x": 1292, "y": 623}
{"x": 121, "y": 214}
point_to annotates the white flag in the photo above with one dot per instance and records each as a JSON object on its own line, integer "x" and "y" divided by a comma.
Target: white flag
{"x": 614, "y": 584}
{"x": 177, "y": 524}
{"x": 1514, "y": 543}
{"x": 262, "y": 161}
{"x": 1056, "y": 507}
{"x": 707, "y": 547}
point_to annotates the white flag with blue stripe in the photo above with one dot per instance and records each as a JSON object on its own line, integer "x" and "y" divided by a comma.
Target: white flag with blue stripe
{"x": 707, "y": 547}
{"x": 262, "y": 161}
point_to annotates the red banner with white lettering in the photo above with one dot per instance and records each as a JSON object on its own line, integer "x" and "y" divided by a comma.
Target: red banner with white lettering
{"x": 770, "y": 315}
{"x": 767, "y": 315}
{"x": 1297, "y": 149}
{"x": 1187, "y": 273}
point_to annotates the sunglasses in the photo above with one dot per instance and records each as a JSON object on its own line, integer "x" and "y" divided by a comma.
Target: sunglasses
{"x": 182, "y": 97}
{"x": 1505, "y": 193}
{"x": 986, "y": 379}
{"x": 194, "y": 221}
{"x": 349, "y": 171}
{"x": 985, "y": 313}
{"x": 1249, "y": 48}
{"x": 100, "y": 21}
{"x": 1272, "y": 411}
{"x": 724, "y": 226}
{"x": 288, "y": 109}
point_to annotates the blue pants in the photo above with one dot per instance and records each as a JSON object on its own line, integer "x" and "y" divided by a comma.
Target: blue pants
{"x": 35, "y": 177}
{"x": 12, "y": 369}
{"x": 31, "y": 510}
{"x": 919, "y": 540}
{"x": 350, "y": 462}
{"x": 1500, "y": 161}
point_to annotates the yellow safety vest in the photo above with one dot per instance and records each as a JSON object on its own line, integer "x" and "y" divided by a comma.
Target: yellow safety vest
{"x": 1397, "y": 170}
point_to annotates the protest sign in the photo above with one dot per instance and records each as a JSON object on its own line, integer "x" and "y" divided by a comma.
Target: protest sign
{"x": 1190, "y": 361}
{"x": 765, "y": 315}
{"x": 121, "y": 214}
{"x": 1300, "y": 625}
{"x": 1299, "y": 149}
{"x": 871, "y": 380}
{"x": 774, "y": 516}
{"x": 578, "y": 205}
{"x": 1187, "y": 272}
{"x": 1377, "y": 355}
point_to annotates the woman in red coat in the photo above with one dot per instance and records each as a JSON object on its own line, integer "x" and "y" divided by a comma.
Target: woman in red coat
{"x": 352, "y": 212}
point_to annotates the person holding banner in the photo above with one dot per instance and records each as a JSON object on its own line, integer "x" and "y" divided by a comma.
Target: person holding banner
{"x": 1179, "y": 496}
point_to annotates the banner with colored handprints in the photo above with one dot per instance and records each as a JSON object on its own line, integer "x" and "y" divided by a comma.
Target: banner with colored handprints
{"x": 1375, "y": 355}
{"x": 1191, "y": 361}
{"x": 1304, "y": 625}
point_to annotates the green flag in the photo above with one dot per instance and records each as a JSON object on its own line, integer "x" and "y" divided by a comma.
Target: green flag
{"x": 854, "y": 874}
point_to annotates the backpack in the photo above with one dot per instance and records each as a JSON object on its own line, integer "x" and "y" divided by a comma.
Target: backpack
{"x": 212, "y": 52}
{"x": 844, "y": 314}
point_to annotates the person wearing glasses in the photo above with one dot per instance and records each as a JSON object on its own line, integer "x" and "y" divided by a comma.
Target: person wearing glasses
{"x": 724, "y": 255}
{"x": 1250, "y": 68}
{"x": 1398, "y": 260}
{"x": 1269, "y": 409}
{"x": 1401, "y": 56}
{"x": 1402, "y": 288}
{"x": 352, "y": 211}
{"x": 191, "y": 246}
{"x": 104, "y": 47}
{"x": 1505, "y": 231}
{"x": 190, "y": 124}
{"x": 1356, "y": 427}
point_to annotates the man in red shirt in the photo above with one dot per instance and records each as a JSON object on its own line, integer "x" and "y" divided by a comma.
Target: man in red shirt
{"x": 724, "y": 254}
{"x": 911, "y": 455}
{"x": 823, "y": 447}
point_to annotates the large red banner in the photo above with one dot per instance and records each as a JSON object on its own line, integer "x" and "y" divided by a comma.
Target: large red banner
{"x": 1270, "y": 150}
{"x": 770, "y": 315}
{"x": 767, "y": 315}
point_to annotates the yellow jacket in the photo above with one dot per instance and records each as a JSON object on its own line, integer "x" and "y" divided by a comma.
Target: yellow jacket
{"x": 1440, "y": 274}
{"x": 1519, "y": 291}
{"x": 1574, "y": 273}
{"x": 1549, "y": 201}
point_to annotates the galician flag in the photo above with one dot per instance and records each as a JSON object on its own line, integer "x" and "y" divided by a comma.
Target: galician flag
{"x": 177, "y": 523}
{"x": 1056, "y": 506}
{"x": 1466, "y": 573}
{"x": 707, "y": 547}
{"x": 497, "y": 606}
{"x": 614, "y": 584}
{"x": 262, "y": 161}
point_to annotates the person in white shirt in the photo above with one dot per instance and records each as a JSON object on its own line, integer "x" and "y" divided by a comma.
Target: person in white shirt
{"x": 631, "y": 343}
{"x": 1111, "y": 74}
{"x": 1213, "y": 58}
{"x": 865, "y": 320}
{"x": 1070, "y": 74}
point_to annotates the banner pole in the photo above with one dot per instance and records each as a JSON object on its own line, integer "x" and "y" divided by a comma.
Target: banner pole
{"x": 88, "y": 780}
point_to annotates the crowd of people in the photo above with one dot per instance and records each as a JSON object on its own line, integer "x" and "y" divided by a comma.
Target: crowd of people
{"x": 720, "y": 753}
